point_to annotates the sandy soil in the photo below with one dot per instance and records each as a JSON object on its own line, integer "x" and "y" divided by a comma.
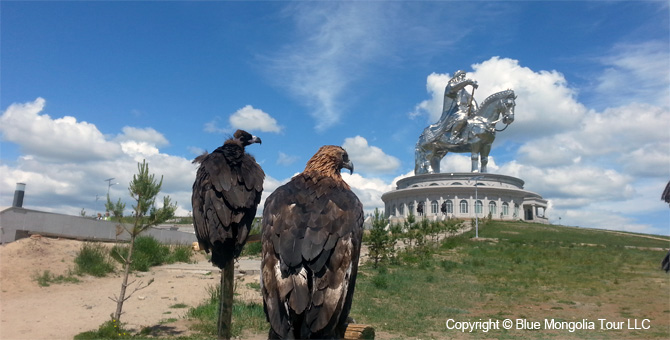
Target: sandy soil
{"x": 60, "y": 311}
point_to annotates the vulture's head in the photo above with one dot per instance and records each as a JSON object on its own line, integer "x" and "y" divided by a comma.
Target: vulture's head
{"x": 245, "y": 138}
{"x": 329, "y": 160}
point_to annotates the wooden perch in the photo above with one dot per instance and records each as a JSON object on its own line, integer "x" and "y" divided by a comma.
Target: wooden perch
{"x": 359, "y": 331}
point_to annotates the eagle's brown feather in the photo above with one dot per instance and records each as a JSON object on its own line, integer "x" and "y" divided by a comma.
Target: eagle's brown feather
{"x": 312, "y": 230}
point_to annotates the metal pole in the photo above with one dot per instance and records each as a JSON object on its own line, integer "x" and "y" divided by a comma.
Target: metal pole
{"x": 109, "y": 184}
{"x": 476, "y": 199}
{"x": 476, "y": 215}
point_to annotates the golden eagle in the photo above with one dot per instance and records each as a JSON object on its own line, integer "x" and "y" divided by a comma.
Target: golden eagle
{"x": 226, "y": 192}
{"x": 312, "y": 231}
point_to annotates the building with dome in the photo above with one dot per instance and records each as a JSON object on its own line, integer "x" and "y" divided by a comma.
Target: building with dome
{"x": 439, "y": 196}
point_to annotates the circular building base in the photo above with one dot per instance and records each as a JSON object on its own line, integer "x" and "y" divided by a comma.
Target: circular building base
{"x": 461, "y": 195}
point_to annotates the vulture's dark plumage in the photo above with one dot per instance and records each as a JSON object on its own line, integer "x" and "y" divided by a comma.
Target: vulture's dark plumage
{"x": 312, "y": 231}
{"x": 226, "y": 192}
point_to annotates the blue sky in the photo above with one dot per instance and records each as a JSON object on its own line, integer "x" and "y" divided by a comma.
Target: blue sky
{"x": 88, "y": 89}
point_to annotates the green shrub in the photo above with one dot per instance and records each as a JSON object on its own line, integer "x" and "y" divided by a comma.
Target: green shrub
{"x": 109, "y": 330}
{"x": 252, "y": 249}
{"x": 380, "y": 281}
{"x": 181, "y": 253}
{"x": 149, "y": 252}
{"x": 93, "y": 260}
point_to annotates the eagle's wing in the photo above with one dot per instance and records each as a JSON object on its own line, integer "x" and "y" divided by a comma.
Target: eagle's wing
{"x": 311, "y": 245}
{"x": 224, "y": 201}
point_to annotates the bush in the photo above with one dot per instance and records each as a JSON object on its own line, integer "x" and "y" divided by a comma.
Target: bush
{"x": 93, "y": 260}
{"x": 181, "y": 253}
{"x": 380, "y": 281}
{"x": 149, "y": 252}
{"x": 252, "y": 249}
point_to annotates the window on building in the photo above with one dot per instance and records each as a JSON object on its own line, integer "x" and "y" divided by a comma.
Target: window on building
{"x": 401, "y": 209}
{"x": 464, "y": 206}
{"x": 457, "y": 183}
{"x": 433, "y": 207}
{"x": 450, "y": 207}
{"x": 492, "y": 208}
{"x": 516, "y": 210}
{"x": 410, "y": 209}
{"x": 393, "y": 210}
{"x": 478, "y": 207}
{"x": 505, "y": 209}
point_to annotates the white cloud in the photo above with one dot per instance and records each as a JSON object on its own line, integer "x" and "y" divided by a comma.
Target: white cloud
{"x": 623, "y": 134}
{"x": 147, "y": 135}
{"x": 56, "y": 139}
{"x": 368, "y": 190}
{"x": 65, "y": 162}
{"x": 285, "y": 160}
{"x": 213, "y": 126}
{"x": 635, "y": 72}
{"x": 368, "y": 158}
{"x": 250, "y": 119}
{"x": 333, "y": 43}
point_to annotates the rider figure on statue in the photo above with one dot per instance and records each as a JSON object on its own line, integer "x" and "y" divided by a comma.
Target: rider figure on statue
{"x": 460, "y": 104}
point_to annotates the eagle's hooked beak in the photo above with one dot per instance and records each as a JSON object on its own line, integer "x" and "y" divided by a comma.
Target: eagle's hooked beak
{"x": 349, "y": 165}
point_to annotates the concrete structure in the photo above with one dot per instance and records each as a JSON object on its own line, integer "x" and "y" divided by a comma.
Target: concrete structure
{"x": 16, "y": 223}
{"x": 454, "y": 195}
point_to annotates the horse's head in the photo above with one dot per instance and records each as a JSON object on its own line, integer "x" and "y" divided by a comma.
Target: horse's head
{"x": 508, "y": 103}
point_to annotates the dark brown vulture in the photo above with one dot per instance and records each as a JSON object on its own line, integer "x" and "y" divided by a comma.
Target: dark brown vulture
{"x": 226, "y": 192}
{"x": 312, "y": 231}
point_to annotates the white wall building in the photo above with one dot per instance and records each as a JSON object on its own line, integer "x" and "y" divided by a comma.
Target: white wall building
{"x": 454, "y": 195}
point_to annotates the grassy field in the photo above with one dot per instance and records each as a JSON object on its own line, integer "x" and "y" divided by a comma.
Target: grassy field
{"x": 534, "y": 273}
{"x": 550, "y": 282}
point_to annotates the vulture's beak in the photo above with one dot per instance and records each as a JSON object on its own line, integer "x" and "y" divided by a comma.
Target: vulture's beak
{"x": 255, "y": 139}
{"x": 349, "y": 165}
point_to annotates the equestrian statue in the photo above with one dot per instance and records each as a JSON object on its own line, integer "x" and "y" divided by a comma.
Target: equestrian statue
{"x": 463, "y": 126}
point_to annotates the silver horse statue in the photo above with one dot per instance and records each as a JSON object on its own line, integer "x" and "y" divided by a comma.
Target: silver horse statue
{"x": 477, "y": 136}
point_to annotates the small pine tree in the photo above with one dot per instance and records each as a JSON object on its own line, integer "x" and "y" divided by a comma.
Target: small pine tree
{"x": 379, "y": 239}
{"x": 143, "y": 189}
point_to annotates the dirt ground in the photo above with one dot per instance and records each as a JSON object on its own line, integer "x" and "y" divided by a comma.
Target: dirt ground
{"x": 60, "y": 311}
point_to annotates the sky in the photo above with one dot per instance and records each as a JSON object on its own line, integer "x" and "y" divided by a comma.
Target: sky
{"x": 89, "y": 89}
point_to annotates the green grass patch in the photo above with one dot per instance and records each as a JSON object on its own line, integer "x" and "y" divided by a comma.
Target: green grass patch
{"x": 46, "y": 278}
{"x": 93, "y": 259}
{"x": 246, "y": 316}
{"x": 254, "y": 285}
